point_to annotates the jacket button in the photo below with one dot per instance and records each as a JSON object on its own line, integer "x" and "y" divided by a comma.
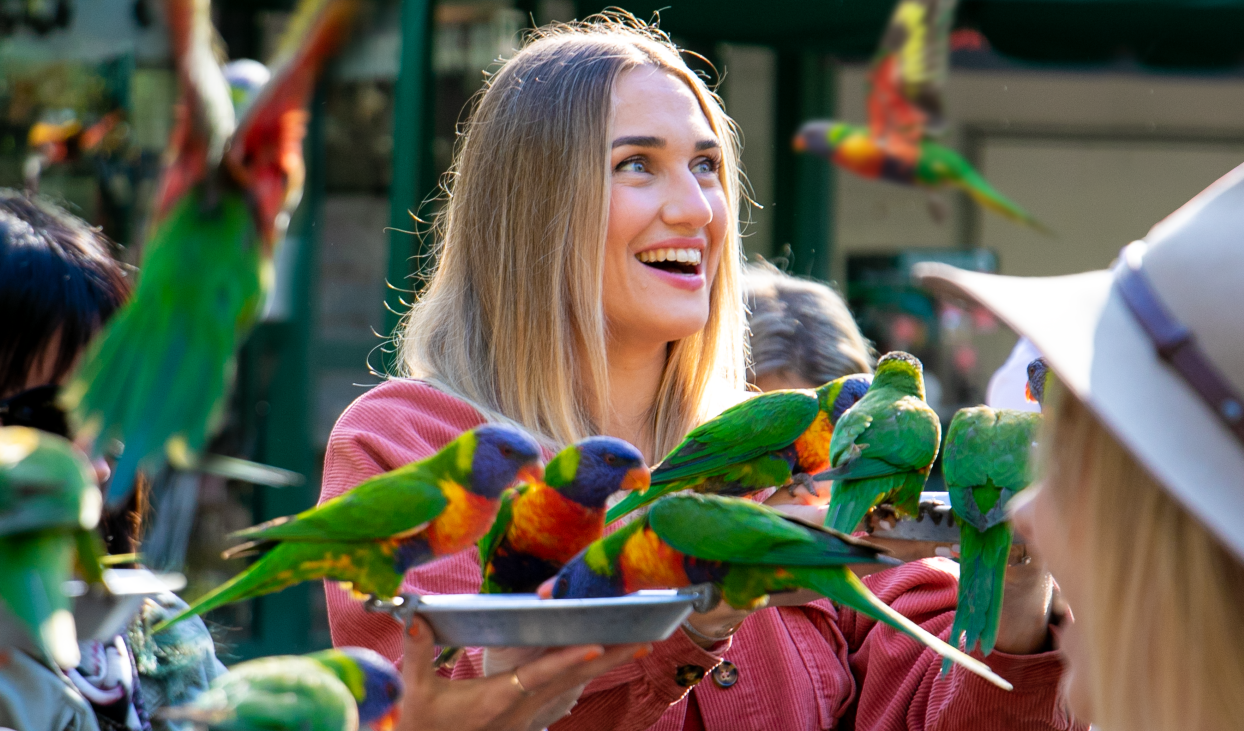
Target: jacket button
{"x": 726, "y": 674}
{"x": 688, "y": 675}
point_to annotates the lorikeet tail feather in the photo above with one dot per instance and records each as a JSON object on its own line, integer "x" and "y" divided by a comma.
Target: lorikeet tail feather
{"x": 636, "y": 500}
{"x": 982, "y": 578}
{"x": 254, "y": 581}
{"x": 844, "y": 587}
{"x": 985, "y": 195}
{"x": 31, "y": 572}
{"x": 851, "y": 500}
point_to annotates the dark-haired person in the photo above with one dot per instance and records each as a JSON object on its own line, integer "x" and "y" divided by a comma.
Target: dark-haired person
{"x": 59, "y": 284}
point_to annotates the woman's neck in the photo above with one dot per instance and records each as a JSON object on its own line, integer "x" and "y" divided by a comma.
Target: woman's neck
{"x": 634, "y": 379}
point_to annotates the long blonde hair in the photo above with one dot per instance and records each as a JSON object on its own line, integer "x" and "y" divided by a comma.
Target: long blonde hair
{"x": 512, "y": 318}
{"x": 1164, "y": 620}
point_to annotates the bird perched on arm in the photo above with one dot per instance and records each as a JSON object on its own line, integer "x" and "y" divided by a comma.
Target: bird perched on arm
{"x": 333, "y": 690}
{"x": 157, "y": 377}
{"x": 771, "y": 440}
{"x": 985, "y": 464}
{"x": 1038, "y": 378}
{"x": 544, "y": 523}
{"x": 49, "y": 506}
{"x": 747, "y": 550}
{"x": 904, "y": 113}
{"x": 372, "y": 535}
{"x": 884, "y": 446}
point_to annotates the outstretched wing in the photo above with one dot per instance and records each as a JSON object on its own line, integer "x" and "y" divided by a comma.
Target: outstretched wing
{"x": 909, "y": 73}
{"x": 716, "y": 528}
{"x": 505, "y": 515}
{"x": 384, "y": 506}
{"x": 763, "y": 424}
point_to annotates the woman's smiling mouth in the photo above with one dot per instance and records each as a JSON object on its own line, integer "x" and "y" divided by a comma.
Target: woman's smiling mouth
{"x": 683, "y": 260}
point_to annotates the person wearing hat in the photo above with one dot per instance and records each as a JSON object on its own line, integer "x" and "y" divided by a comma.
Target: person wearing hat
{"x": 1139, "y": 512}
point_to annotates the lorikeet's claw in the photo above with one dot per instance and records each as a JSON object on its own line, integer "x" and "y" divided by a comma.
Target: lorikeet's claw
{"x": 808, "y": 482}
{"x": 707, "y": 597}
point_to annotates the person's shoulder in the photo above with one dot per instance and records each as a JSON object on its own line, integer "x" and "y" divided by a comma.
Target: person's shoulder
{"x": 402, "y": 404}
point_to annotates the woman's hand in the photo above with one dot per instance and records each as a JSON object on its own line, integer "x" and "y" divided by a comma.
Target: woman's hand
{"x": 1027, "y": 600}
{"x": 530, "y": 695}
{"x": 717, "y": 624}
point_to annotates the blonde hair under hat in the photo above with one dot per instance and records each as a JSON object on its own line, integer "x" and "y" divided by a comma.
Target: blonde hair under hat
{"x": 1153, "y": 346}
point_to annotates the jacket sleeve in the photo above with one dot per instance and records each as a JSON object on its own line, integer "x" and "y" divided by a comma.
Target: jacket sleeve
{"x": 899, "y": 686}
{"x": 394, "y": 424}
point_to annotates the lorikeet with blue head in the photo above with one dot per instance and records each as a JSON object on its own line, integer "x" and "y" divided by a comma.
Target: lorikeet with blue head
{"x": 884, "y": 446}
{"x": 774, "y": 439}
{"x": 985, "y": 464}
{"x": 544, "y": 523}
{"x": 1038, "y": 379}
{"x": 747, "y": 551}
{"x": 49, "y": 506}
{"x": 905, "y": 113}
{"x": 157, "y": 377}
{"x": 371, "y": 536}
{"x": 333, "y": 690}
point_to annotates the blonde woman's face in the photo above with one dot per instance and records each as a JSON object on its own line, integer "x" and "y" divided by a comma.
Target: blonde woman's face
{"x": 667, "y": 211}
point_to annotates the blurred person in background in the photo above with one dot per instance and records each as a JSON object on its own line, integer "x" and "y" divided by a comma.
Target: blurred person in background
{"x": 59, "y": 284}
{"x": 588, "y": 280}
{"x": 1140, "y": 510}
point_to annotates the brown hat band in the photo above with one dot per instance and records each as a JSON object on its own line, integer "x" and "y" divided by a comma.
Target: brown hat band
{"x": 1177, "y": 346}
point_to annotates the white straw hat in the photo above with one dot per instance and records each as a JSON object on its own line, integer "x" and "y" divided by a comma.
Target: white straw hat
{"x": 1154, "y": 346}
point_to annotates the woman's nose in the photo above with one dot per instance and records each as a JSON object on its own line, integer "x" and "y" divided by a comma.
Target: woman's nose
{"x": 686, "y": 206}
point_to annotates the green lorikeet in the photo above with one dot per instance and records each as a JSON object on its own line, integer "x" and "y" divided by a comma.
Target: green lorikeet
{"x": 49, "y": 506}
{"x": 986, "y": 462}
{"x": 884, "y": 446}
{"x": 389, "y": 524}
{"x": 767, "y": 441}
{"x": 157, "y": 377}
{"x": 333, "y": 690}
{"x": 747, "y": 550}
{"x": 546, "y": 522}
{"x": 904, "y": 111}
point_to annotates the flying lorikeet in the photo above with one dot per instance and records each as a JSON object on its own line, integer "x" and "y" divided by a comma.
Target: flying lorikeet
{"x": 771, "y": 440}
{"x": 986, "y": 462}
{"x": 49, "y": 506}
{"x": 545, "y": 523}
{"x": 333, "y": 690}
{"x": 884, "y": 446}
{"x": 905, "y": 111}
{"x": 157, "y": 377}
{"x": 371, "y": 536}
{"x": 745, "y": 549}
{"x": 1038, "y": 378}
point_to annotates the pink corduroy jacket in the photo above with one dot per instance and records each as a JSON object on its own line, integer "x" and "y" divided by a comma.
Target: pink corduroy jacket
{"x": 808, "y": 667}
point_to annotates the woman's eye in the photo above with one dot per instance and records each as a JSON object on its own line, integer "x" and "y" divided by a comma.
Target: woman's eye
{"x": 705, "y": 165}
{"x": 632, "y": 165}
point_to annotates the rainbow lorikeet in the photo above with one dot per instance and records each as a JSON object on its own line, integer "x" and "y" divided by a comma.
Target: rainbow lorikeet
{"x": 157, "y": 377}
{"x": 371, "y": 536}
{"x": 773, "y": 439}
{"x": 544, "y": 523}
{"x": 49, "y": 506}
{"x": 904, "y": 111}
{"x": 985, "y": 463}
{"x": 1038, "y": 378}
{"x": 746, "y": 550}
{"x": 884, "y": 446}
{"x": 333, "y": 690}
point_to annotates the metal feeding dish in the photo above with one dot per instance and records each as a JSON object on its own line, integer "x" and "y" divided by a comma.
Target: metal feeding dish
{"x": 525, "y": 620}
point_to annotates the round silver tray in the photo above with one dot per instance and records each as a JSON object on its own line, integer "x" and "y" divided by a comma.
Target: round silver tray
{"x": 525, "y": 620}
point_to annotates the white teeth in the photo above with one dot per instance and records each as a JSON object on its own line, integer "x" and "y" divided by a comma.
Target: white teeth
{"x": 680, "y": 256}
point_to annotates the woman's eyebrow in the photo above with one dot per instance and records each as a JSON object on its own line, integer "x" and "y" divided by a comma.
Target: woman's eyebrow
{"x": 639, "y": 141}
{"x": 706, "y": 145}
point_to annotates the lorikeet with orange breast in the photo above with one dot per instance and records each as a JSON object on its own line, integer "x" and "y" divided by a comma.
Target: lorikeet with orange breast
{"x": 905, "y": 111}
{"x": 371, "y": 536}
{"x": 544, "y": 523}
{"x": 157, "y": 378}
{"x": 1038, "y": 379}
{"x": 771, "y": 440}
{"x": 747, "y": 550}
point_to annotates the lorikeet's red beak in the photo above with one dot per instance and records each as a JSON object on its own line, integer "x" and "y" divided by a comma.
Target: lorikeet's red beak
{"x": 545, "y": 590}
{"x": 387, "y": 721}
{"x": 1028, "y": 394}
{"x": 637, "y": 478}
{"x": 265, "y": 157}
{"x": 533, "y": 472}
